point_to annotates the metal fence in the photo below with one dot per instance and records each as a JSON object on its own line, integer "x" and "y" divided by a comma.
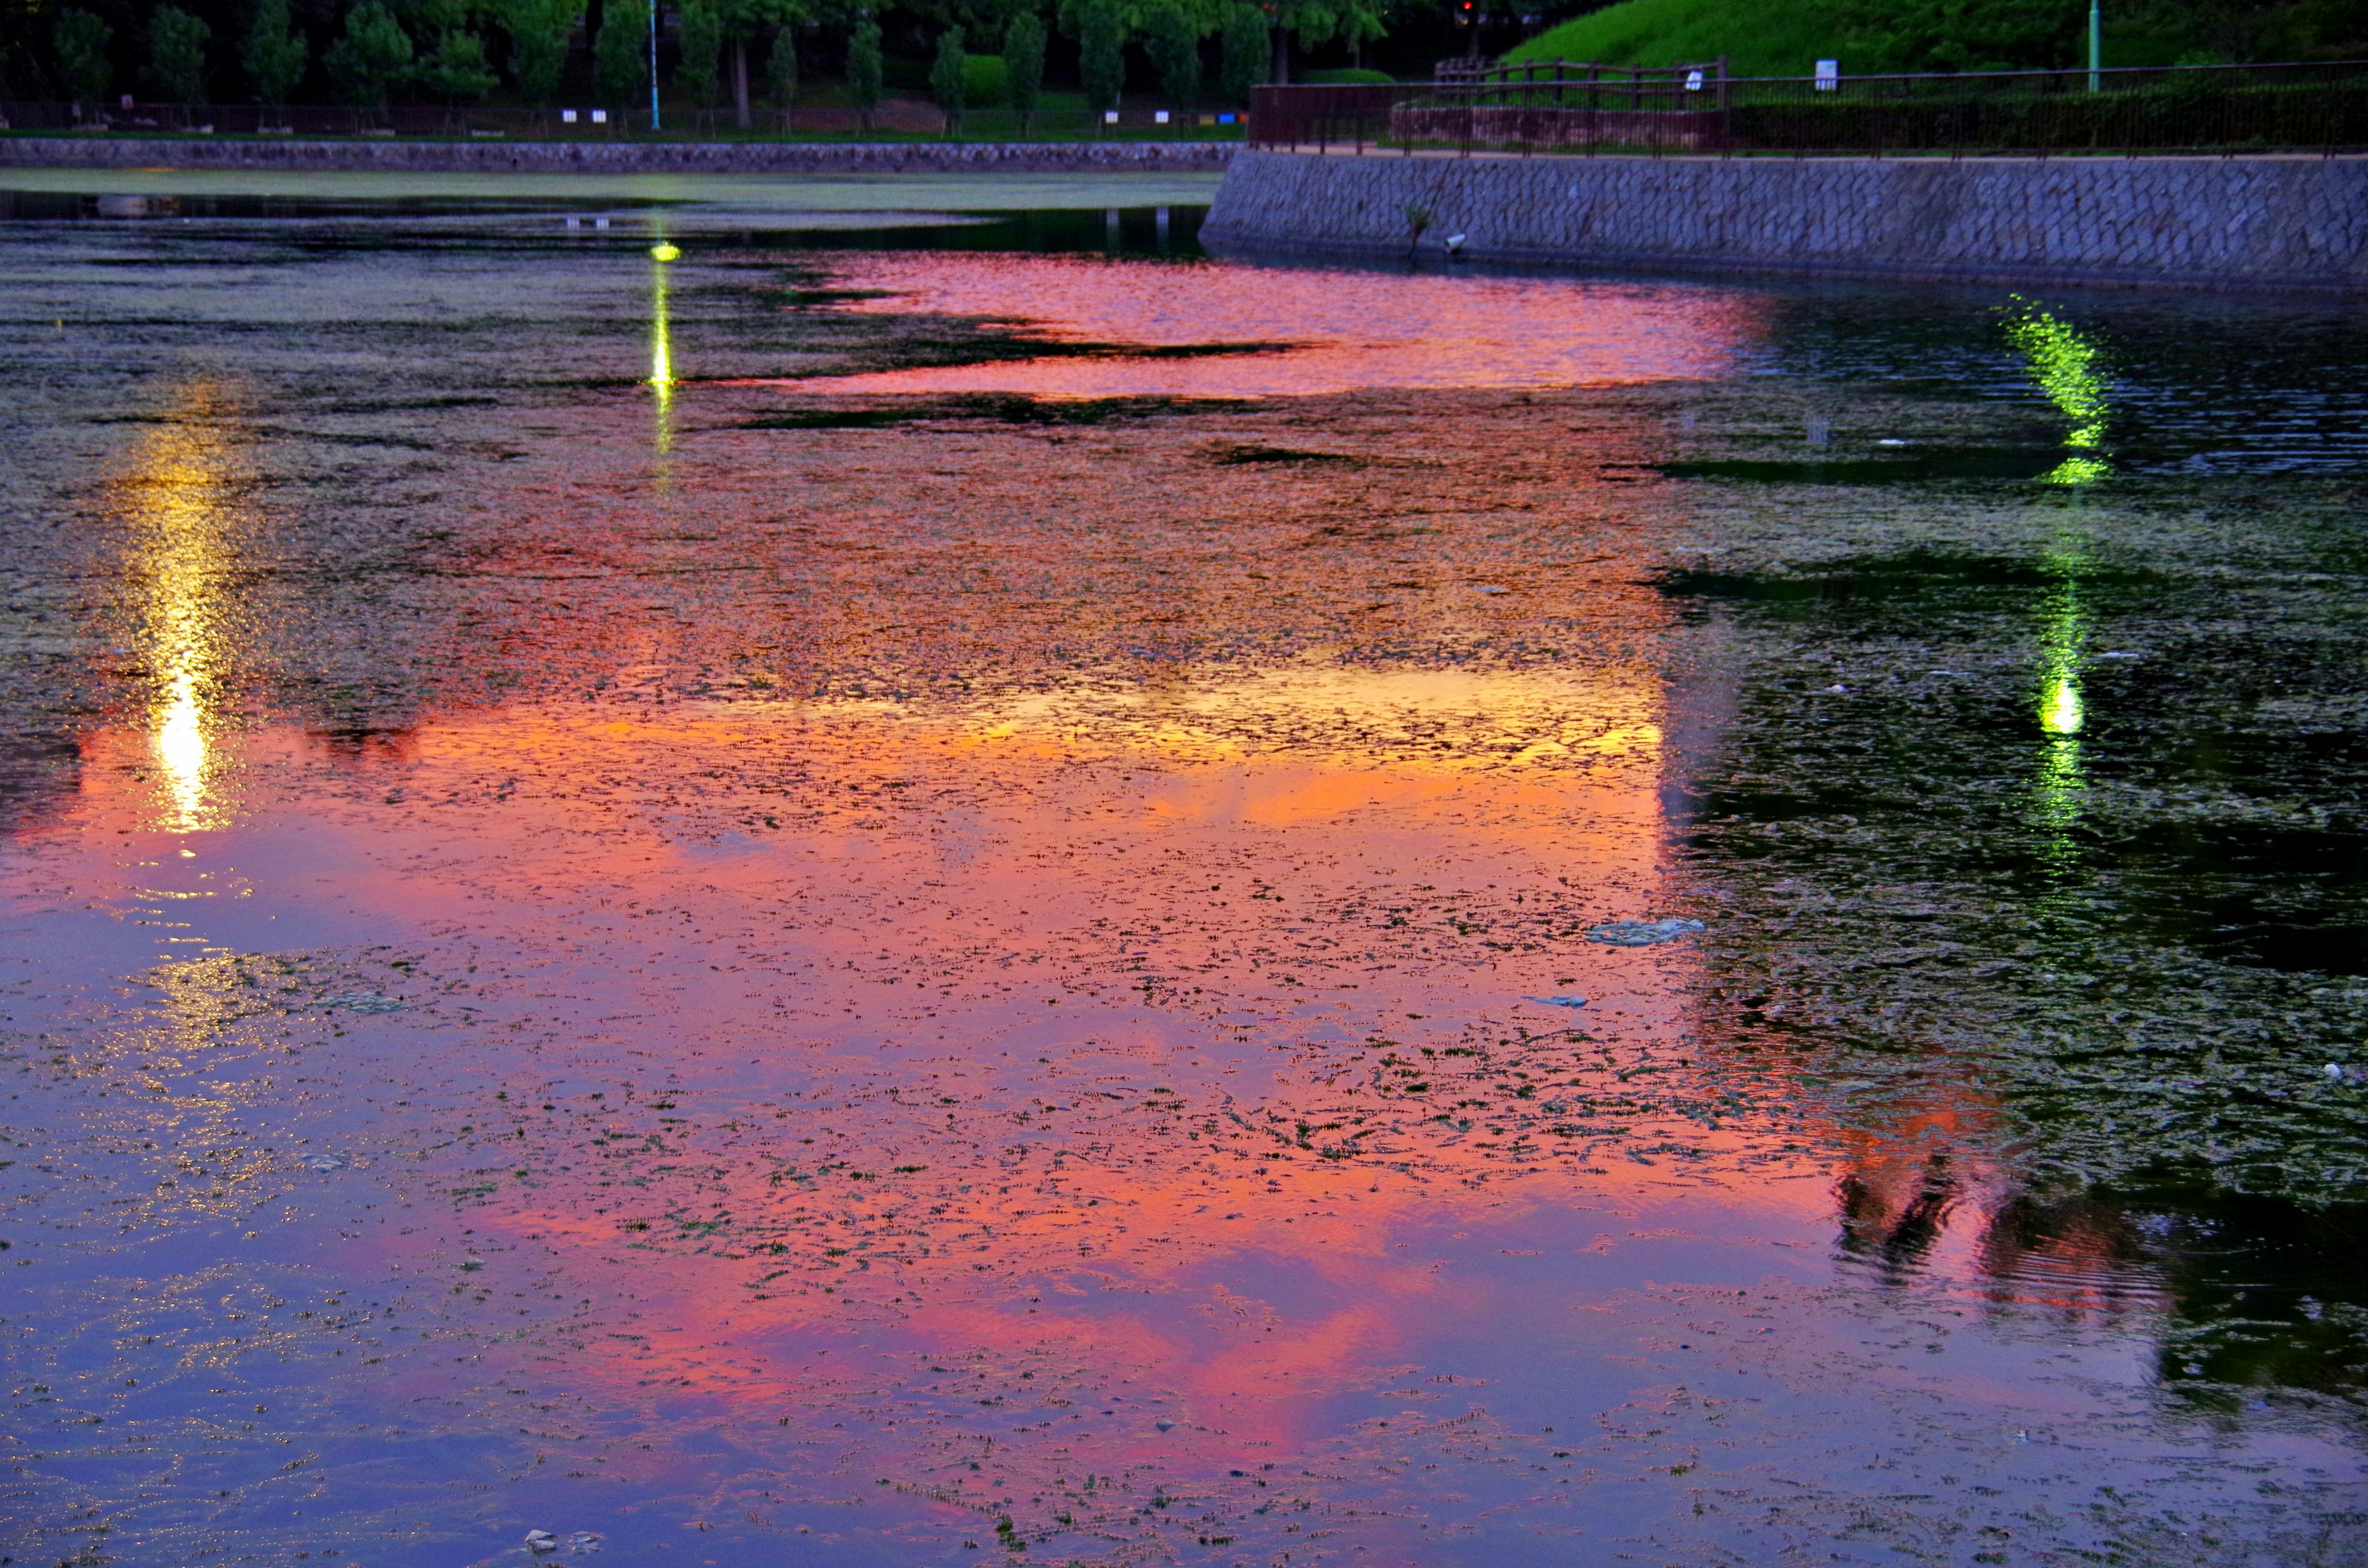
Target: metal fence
{"x": 895, "y": 119}
{"x": 1577, "y": 107}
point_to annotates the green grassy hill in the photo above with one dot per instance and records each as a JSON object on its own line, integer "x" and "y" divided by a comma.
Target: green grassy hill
{"x": 1776, "y": 38}
{"x": 1786, "y": 38}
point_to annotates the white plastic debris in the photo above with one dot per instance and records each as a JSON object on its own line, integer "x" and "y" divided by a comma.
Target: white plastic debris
{"x": 2333, "y": 1070}
{"x": 583, "y": 1541}
{"x": 1643, "y": 933}
{"x": 1557, "y": 1001}
{"x": 542, "y": 1540}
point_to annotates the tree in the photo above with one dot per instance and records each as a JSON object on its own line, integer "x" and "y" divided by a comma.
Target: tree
{"x": 372, "y": 58}
{"x": 619, "y": 54}
{"x": 176, "y": 55}
{"x": 864, "y": 66}
{"x": 781, "y": 68}
{"x": 274, "y": 54}
{"x": 947, "y": 81}
{"x": 745, "y": 22}
{"x": 80, "y": 41}
{"x": 1174, "y": 45}
{"x": 1244, "y": 62}
{"x": 1023, "y": 58}
{"x": 456, "y": 71}
{"x": 539, "y": 31}
{"x": 699, "y": 37}
{"x": 1101, "y": 53}
{"x": 1314, "y": 22}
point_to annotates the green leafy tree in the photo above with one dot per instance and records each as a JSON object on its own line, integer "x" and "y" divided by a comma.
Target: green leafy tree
{"x": 746, "y": 22}
{"x": 176, "y": 55}
{"x": 864, "y": 66}
{"x": 1101, "y": 53}
{"x": 947, "y": 83}
{"x": 1023, "y": 60}
{"x": 456, "y": 72}
{"x": 373, "y": 56}
{"x": 1174, "y": 42}
{"x": 1314, "y": 22}
{"x": 699, "y": 37}
{"x": 80, "y": 41}
{"x": 1243, "y": 62}
{"x": 273, "y": 55}
{"x": 539, "y": 31}
{"x": 620, "y": 53}
{"x": 781, "y": 69}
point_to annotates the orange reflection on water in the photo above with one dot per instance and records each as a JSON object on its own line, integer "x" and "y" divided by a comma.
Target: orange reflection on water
{"x": 177, "y": 491}
{"x": 1299, "y": 331}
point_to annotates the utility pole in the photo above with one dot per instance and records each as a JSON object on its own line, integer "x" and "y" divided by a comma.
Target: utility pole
{"x": 2095, "y": 45}
{"x": 653, "y": 65}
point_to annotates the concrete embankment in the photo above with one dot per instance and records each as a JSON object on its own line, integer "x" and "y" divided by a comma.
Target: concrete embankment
{"x": 2265, "y": 222}
{"x": 493, "y": 156}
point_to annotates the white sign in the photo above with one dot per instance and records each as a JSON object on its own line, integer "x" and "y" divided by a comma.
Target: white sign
{"x": 1829, "y": 75}
{"x": 1160, "y": 118}
{"x": 600, "y": 116}
{"x": 1109, "y": 116}
{"x": 567, "y": 117}
{"x": 1693, "y": 81}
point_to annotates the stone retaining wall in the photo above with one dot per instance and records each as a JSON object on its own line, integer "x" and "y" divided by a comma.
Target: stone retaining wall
{"x": 492, "y": 156}
{"x": 2254, "y": 222}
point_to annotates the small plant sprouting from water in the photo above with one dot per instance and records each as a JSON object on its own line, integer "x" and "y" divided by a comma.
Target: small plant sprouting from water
{"x": 1417, "y": 218}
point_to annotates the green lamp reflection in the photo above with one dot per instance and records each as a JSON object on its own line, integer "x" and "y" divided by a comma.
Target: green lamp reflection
{"x": 662, "y": 343}
{"x": 2061, "y": 787}
{"x": 2063, "y": 365}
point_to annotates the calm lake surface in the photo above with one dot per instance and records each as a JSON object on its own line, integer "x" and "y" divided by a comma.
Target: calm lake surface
{"x": 911, "y": 890}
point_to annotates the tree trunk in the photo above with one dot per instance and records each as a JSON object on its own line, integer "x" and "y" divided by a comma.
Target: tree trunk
{"x": 1280, "y": 73}
{"x": 740, "y": 83}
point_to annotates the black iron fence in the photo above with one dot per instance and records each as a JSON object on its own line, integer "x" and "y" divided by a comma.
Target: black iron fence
{"x": 893, "y": 118}
{"x": 1566, "y": 106}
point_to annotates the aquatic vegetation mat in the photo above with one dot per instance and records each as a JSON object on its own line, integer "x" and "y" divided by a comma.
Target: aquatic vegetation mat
{"x": 714, "y": 909}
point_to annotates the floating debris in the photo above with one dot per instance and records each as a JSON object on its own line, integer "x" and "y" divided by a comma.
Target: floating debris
{"x": 1557, "y": 1001}
{"x": 363, "y": 1001}
{"x": 1164, "y": 1425}
{"x": 1643, "y": 933}
{"x": 540, "y": 1541}
{"x": 583, "y": 1541}
{"x": 335, "y": 1163}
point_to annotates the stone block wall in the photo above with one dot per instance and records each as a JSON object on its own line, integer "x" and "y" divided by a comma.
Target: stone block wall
{"x": 492, "y": 156}
{"x": 2275, "y": 222}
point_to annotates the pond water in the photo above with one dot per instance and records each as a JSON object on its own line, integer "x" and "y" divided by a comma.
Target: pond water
{"x": 748, "y": 890}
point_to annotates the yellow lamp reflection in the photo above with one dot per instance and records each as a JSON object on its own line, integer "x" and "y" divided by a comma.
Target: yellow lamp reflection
{"x": 176, "y": 492}
{"x": 2064, "y": 366}
{"x": 662, "y": 343}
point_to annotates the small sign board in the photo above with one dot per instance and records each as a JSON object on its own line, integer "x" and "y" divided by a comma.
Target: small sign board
{"x": 1829, "y": 75}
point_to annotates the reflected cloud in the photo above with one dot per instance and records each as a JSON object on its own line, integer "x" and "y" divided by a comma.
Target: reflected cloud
{"x": 1216, "y": 330}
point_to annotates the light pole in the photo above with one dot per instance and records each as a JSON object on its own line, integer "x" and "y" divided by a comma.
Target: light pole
{"x": 654, "y": 66}
{"x": 2095, "y": 45}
